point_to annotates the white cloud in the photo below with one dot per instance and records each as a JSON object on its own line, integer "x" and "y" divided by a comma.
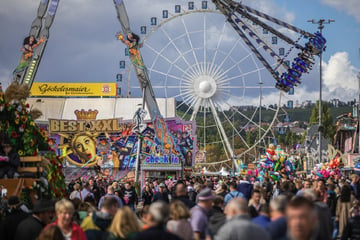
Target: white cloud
{"x": 339, "y": 77}
{"x": 351, "y": 7}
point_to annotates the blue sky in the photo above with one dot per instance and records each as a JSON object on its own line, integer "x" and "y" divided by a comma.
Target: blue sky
{"x": 82, "y": 45}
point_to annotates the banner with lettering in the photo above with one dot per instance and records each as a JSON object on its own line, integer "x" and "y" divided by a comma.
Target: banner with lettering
{"x": 43, "y": 89}
{"x": 111, "y": 143}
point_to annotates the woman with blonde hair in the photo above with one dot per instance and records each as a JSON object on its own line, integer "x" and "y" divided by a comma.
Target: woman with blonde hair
{"x": 178, "y": 223}
{"x": 124, "y": 225}
{"x": 64, "y": 213}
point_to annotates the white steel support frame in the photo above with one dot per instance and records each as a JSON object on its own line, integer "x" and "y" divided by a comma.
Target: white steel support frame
{"x": 222, "y": 130}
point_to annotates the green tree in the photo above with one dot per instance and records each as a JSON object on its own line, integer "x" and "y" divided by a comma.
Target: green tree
{"x": 328, "y": 128}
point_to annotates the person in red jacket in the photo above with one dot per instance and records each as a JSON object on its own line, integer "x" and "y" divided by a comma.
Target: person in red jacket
{"x": 64, "y": 211}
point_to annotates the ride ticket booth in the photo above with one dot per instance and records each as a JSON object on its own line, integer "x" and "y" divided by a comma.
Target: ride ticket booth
{"x": 161, "y": 167}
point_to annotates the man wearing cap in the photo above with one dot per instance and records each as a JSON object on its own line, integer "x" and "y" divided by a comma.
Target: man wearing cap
{"x": 162, "y": 194}
{"x": 200, "y": 215}
{"x": 31, "y": 227}
{"x": 13, "y": 218}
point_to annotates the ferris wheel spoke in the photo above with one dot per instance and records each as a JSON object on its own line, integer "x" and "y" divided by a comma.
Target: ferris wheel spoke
{"x": 188, "y": 97}
{"x": 217, "y": 48}
{"x": 223, "y": 80}
{"x": 191, "y": 46}
{"x": 196, "y": 108}
{"x": 177, "y": 49}
{"x": 221, "y": 128}
{"x": 237, "y": 63}
{"x": 159, "y": 54}
{"x": 165, "y": 74}
{"x": 235, "y": 129}
{"x": 204, "y": 66}
{"x": 247, "y": 118}
{"x": 218, "y": 68}
{"x": 244, "y": 87}
{"x": 194, "y": 101}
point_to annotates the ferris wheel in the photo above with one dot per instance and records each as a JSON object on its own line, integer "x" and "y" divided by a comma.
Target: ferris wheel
{"x": 193, "y": 54}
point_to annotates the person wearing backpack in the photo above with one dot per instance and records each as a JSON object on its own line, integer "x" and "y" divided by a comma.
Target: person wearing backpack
{"x": 233, "y": 193}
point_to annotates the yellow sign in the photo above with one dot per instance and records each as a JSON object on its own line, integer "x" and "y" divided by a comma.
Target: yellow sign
{"x": 73, "y": 89}
{"x": 73, "y": 126}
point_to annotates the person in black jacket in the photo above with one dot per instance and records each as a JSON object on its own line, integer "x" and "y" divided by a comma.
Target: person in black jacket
{"x": 331, "y": 202}
{"x": 31, "y": 226}
{"x": 147, "y": 195}
{"x": 130, "y": 196}
{"x": 9, "y": 160}
{"x": 352, "y": 228}
{"x": 13, "y": 218}
{"x": 181, "y": 195}
{"x": 162, "y": 194}
{"x": 217, "y": 216}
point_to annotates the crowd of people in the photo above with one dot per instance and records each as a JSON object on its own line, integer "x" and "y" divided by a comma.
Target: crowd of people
{"x": 196, "y": 208}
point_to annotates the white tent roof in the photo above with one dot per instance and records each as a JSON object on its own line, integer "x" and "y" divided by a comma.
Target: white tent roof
{"x": 64, "y": 108}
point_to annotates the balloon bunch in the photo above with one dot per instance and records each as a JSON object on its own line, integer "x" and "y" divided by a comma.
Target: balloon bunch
{"x": 327, "y": 169}
{"x": 275, "y": 164}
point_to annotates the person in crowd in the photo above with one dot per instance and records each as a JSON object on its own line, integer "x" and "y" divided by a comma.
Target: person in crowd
{"x": 51, "y": 233}
{"x": 85, "y": 194}
{"x": 331, "y": 204}
{"x": 193, "y": 194}
{"x": 352, "y": 228}
{"x": 277, "y": 226}
{"x": 84, "y": 209}
{"x": 355, "y": 185}
{"x": 30, "y": 227}
{"x": 76, "y": 192}
{"x": 14, "y": 217}
{"x": 110, "y": 193}
{"x": 130, "y": 196}
{"x": 323, "y": 212}
{"x": 233, "y": 193}
{"x": 239, "y": 225}
{"x": 178, "y": 223}
{"x": 217, "y": 216}
{"x": 96, "y": 224}
{"x": 181, "y": 195}
{"x": 124, "y": 225}
{"x": 9, "y": 161}
{"x": 321, "y": 190}
{"x": 263, "y": 219}
{"x": 162, "y": 194}
{"x": 245, "y": 187}
{"x": 94, "y": 189}
{"x": 343, "y": 206}
{"x": 302, "y": 220}
{"x": 267, "y": 188}
{"x": 64, "y": 210}
{"x": 156, "y": 220}
{"x": 147, "y": 195}
{"x": 254, "y": 203}
{"x": 199, "y": 214}
{"x": 143, "y": 215}
{"x": 221, "y": 190}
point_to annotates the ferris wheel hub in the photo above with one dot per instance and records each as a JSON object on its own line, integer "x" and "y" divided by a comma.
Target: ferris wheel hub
{"x": 205, "y": 86}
